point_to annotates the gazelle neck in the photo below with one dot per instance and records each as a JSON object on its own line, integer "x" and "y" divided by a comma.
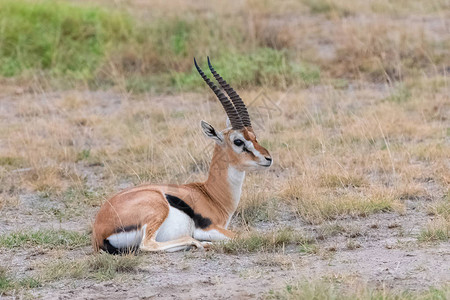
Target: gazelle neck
{"x": 224, "y": 183}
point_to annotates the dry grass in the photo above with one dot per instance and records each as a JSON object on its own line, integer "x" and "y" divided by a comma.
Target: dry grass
{"x": 385, "y": 51}
{"x": 259, "y": 201}
{"x": 330, "y": 229}
{"x": 332, "y": 159}
{"x": 347, "y": 288}
{"x": 350, "y": 97}
{"x": 438, "y": 229}
{"x": 249, "y": 242}
{"x": 99, "y": 267}
{"x": 149, "y": 46}
{"x": 441, "y": 208}
{"x": 346, "y": 148}
{"x": 316, "y": 206}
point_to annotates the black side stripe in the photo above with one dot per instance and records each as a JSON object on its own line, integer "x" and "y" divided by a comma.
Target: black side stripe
{"x": 126, "y": 228}
{"x": 199, "y": 220}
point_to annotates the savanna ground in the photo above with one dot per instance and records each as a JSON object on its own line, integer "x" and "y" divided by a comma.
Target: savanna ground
{"x": 351, "y": 98}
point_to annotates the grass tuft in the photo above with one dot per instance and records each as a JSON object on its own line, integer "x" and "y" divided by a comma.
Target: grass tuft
{"x": 323, "y": 289}
{"x": 317, "y": 206}
{"x": 441, "y": 208}
{"x": 8, "y": 283}
{"x": 437, "y": 230}
{"x": 45, "y": 238}
{"x": 261, "y": 242}
{"x": 100, "y": 266}
{"x": 400, "y": 94}
{"x": 258, "y": 203}
{"x": 327, "y": 7}
{"x": 335, "y": 180}
{"x": 11, "y": 161}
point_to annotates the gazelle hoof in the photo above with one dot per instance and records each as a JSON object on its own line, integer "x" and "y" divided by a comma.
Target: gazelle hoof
{"x": 198, "y": 245}
{"x": 207, "y": 245}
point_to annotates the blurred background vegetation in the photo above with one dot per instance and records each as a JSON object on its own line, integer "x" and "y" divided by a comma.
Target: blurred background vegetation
{"x": 149, "y": 46}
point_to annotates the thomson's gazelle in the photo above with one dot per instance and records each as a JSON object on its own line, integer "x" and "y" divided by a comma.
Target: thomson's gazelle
{"x": 165, "y": 217}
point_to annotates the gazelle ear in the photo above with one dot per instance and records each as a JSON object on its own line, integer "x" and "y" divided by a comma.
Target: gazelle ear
{"x": 228, "y": 123}
{"x": 210, "y": 132}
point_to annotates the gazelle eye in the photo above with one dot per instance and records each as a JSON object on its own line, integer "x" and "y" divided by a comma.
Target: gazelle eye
{"x": 238, "y": 143}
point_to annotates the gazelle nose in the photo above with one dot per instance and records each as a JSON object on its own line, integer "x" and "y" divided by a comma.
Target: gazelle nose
{"x": 268, "y": 158}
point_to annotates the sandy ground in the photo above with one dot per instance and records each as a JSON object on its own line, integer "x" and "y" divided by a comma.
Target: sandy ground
{"x": 386, "y": 254}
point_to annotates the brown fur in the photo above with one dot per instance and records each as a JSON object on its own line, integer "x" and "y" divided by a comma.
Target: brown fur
{"x": 146, "y": 204}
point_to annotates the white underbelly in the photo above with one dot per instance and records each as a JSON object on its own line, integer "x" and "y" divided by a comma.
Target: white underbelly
{"x": 178, "y": 224}
{"x": 127, "y": 239}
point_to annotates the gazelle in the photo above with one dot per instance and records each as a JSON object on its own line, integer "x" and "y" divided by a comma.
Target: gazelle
{"x": 166, "y": 217}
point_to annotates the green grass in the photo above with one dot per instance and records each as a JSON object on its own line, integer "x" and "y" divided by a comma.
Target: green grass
{"x": 45, "y": 238}
{"x": 325, "y": 290}
{"x": 76, "y": 200}
{"x": 11, "y": 162}
{"x": 77, "y": 194}
{"x": 326, "y": 7}
{"x": 263, "y": 66}
{"x": 260, "y": 242}
{"x": 8, "y": 282}
{"x": 77, "y": 43}
{"x": 58, "y": 37}
{"x": 100, "y": 267}
{"x": 433, "y": 235}
{"x": 435, "y": 231}
{"x": 253, "y": 213}
{"x": 442, "y": 208}
{"x": 400, "y": 94}
{"x": 72, "y": 43}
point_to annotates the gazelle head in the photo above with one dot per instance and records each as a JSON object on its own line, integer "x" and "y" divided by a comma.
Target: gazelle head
{"x": 238, "y": 141}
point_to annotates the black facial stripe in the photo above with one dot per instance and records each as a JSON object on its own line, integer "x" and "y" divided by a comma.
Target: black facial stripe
{"x": 248, "y": 151}
{"x": 199, "y": 220}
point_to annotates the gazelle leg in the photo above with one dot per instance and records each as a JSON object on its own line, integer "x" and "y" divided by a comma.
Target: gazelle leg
{"x": 183, "y": 243}
{"x": 213, "y": 233}
{"x": 228, "y": 233}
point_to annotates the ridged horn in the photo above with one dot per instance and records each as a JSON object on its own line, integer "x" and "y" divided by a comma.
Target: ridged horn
{"x": 230, "y": 110}
{"x": 237, "y": 101}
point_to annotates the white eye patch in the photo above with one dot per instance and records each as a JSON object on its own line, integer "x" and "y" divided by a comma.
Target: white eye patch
{"x": 247, "y": 144}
